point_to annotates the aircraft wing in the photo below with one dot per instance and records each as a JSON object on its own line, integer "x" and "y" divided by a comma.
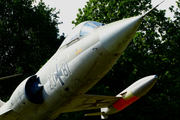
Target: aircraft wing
{"x": 87, "y": 102}
{"x": 4, "y": 114}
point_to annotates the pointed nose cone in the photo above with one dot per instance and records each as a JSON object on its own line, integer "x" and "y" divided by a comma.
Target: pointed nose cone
{"x": 116, "y": 36}
{"x": 144, "y": 86}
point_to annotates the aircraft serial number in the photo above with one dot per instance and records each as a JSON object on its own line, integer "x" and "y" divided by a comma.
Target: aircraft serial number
{"x": 60, "y": 72}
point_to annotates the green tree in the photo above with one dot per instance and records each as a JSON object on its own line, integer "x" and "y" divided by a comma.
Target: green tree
{"x": 28, "y": 38}
{"x": 108, "y": 11}
{"x": 154, "y": 50}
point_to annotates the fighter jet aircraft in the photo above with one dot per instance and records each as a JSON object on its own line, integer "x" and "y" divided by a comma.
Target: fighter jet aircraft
{"x": 84, "y": 57}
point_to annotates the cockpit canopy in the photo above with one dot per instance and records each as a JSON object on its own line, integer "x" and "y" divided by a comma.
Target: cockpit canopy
{"x": 80, "y": 30}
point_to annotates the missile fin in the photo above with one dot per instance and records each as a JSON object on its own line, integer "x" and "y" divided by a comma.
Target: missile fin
{"x": 94, "y": 114}
{"x": 103, "y": 116}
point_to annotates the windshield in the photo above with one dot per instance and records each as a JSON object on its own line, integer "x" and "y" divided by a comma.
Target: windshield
{"x": 87, "y": 28}
{"x": 81, "y": 30}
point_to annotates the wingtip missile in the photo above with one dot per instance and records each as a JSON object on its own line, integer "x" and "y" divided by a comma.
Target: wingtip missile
{"x": 135, "y": 91}
{"x": 128, "y": 96}
{"x": 142, "y": 88}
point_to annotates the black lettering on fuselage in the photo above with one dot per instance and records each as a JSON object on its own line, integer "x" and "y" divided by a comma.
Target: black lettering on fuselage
{"x": 62, "y": 71}
{"x": 58, "y": 75}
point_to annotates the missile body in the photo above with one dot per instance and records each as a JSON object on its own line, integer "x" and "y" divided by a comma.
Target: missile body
{"x": 130, "y": 95}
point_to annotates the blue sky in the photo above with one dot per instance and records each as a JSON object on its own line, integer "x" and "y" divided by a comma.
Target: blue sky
{"x": 69, "y": 9}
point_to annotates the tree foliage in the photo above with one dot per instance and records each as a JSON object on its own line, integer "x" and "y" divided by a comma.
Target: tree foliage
{"x": 108, "y": 11}
{"x": 28, "y": 38}
{"x": 154, "y": 50}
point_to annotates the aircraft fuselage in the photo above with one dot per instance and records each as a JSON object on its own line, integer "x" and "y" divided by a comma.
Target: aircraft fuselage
{"x": 74, "y": 71}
